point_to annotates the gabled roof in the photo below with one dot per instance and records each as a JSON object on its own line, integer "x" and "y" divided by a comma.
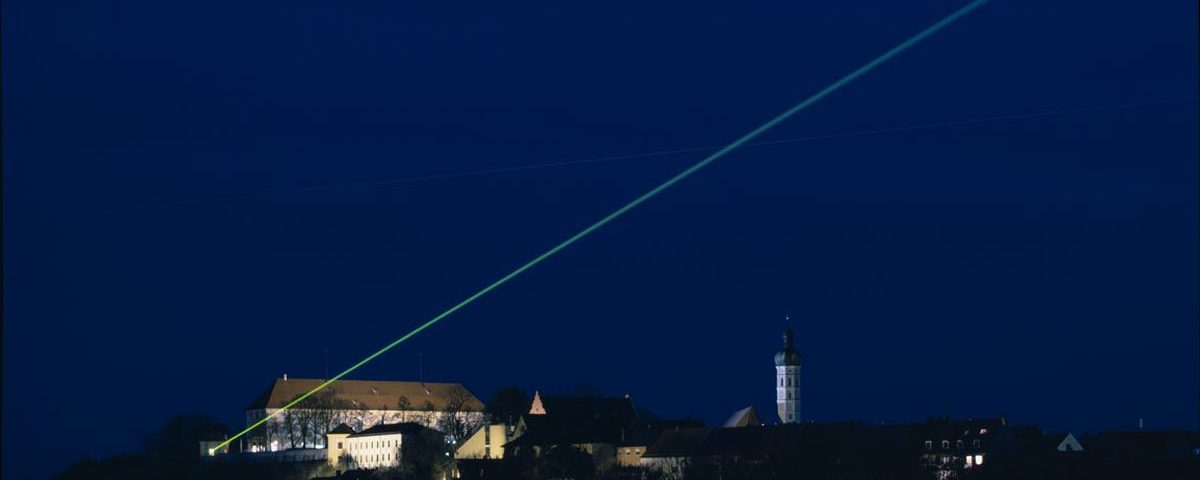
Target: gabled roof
{"x": 575, "y": 420}
{"x": 646, "y": 433}
{"x": 369, "y": 394}
{"x": 1069, "y": 444}
{"x": 685, "y": 442}
{"x": 342, "y": 428}
{"x": 408, "y": 428}
{"x": 573, "y": 408}
{"x": 745, "y": 417}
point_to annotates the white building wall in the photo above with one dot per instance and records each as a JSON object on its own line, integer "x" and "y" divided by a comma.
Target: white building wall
{"x": 787, "y": 393}
{"x": 374, "y": 451}
{"x": 273, "y": 435}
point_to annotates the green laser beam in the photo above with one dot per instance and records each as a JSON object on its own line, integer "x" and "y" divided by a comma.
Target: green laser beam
{"x": 632, "y": 204}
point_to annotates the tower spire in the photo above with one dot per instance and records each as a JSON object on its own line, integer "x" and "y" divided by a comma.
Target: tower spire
{"x": 787, "y": 379}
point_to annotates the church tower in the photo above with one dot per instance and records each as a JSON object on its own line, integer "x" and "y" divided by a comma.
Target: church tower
{"x": 787, "y": 381}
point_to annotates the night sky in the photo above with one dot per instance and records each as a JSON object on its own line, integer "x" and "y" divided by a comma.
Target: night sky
{"x": 169, "y": 247}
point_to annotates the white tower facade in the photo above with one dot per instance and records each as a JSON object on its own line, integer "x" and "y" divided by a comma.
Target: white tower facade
{"x": 787, "y": 381}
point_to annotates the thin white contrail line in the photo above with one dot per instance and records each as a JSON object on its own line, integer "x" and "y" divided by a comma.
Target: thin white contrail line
{"x": 677, "y": 151}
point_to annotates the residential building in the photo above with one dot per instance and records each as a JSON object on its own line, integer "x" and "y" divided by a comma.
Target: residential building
{"x": 381, "y": 446}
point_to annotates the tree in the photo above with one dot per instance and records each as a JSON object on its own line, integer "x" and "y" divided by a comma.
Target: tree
{"x": 290, "y": 421}
{"x": 586, "y": 390}
{"x": 178, "y": 441}
{"x": 404, "y": 405}
{"x": 425, "y": 455}
{"x": 508, "y": 404}
{"x": 565, "y": 461}
{"x": 326, "y": 412}
{"x": 459, "y": 419}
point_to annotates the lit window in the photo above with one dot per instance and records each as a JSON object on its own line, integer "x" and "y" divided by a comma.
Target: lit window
{"x": 979, "y": 459}
{"x": 970, "y": 461}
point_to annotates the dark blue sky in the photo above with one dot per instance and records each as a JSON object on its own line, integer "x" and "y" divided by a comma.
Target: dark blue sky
{"x": 1043, "y": 268}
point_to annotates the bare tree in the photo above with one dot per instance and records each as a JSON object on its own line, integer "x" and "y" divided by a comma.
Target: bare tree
{"x": 459, "y": 418}
{"x": 291, "y": 426}
{"x": 405, "y": 406}
{"x": 326, "y": 413}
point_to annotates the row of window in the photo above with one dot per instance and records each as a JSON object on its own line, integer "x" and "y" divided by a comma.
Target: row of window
{"x": 636, "y": 451}
{"x": 789, "y": 381}
{"x": 372, "y": 459}
{"x": 946, "y": 444}
{"x": 376, "y": 444}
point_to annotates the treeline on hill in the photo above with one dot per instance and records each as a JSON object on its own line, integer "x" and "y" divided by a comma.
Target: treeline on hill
{"x": 859, "y": 453}
{"x": 173, "y": 452}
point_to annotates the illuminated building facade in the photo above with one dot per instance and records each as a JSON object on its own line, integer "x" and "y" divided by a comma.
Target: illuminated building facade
{"x": 787, "y": 381}
{"x": 381, "y": 446}
{"x": 359, "y": 404}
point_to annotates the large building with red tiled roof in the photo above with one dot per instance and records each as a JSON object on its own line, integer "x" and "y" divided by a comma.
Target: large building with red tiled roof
{"x": 360, "y": 404}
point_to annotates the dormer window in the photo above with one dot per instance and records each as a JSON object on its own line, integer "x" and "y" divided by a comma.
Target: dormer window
{"x": 929, "y": 445}
{"x": 945, "y": 444}
{"x": 958, "y": 444}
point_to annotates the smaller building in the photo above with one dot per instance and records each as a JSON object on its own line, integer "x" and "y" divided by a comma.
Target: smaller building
{"x": 381, "y": 446}
{"x": 488, "y": 442}
{"x": 642, "y": 434}
{"x": 949, "y": 447}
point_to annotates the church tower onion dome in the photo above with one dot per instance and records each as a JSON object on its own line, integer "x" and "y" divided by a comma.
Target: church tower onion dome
{"x": 787, "y": 356}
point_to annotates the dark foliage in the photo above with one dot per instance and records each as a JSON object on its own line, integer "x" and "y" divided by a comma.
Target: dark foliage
{"x": 508, "y": 404}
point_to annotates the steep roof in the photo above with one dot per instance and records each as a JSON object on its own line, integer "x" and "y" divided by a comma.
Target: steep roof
{"x": 369, "y": 394}
{"x": 571, "y": 420}
{"x": 685, "y": 442}
{"x": 408, "y": 428}
{"x": 745, "y": 417}
{"x": 577, "y": 408}
{"x": 645, "y": 433}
